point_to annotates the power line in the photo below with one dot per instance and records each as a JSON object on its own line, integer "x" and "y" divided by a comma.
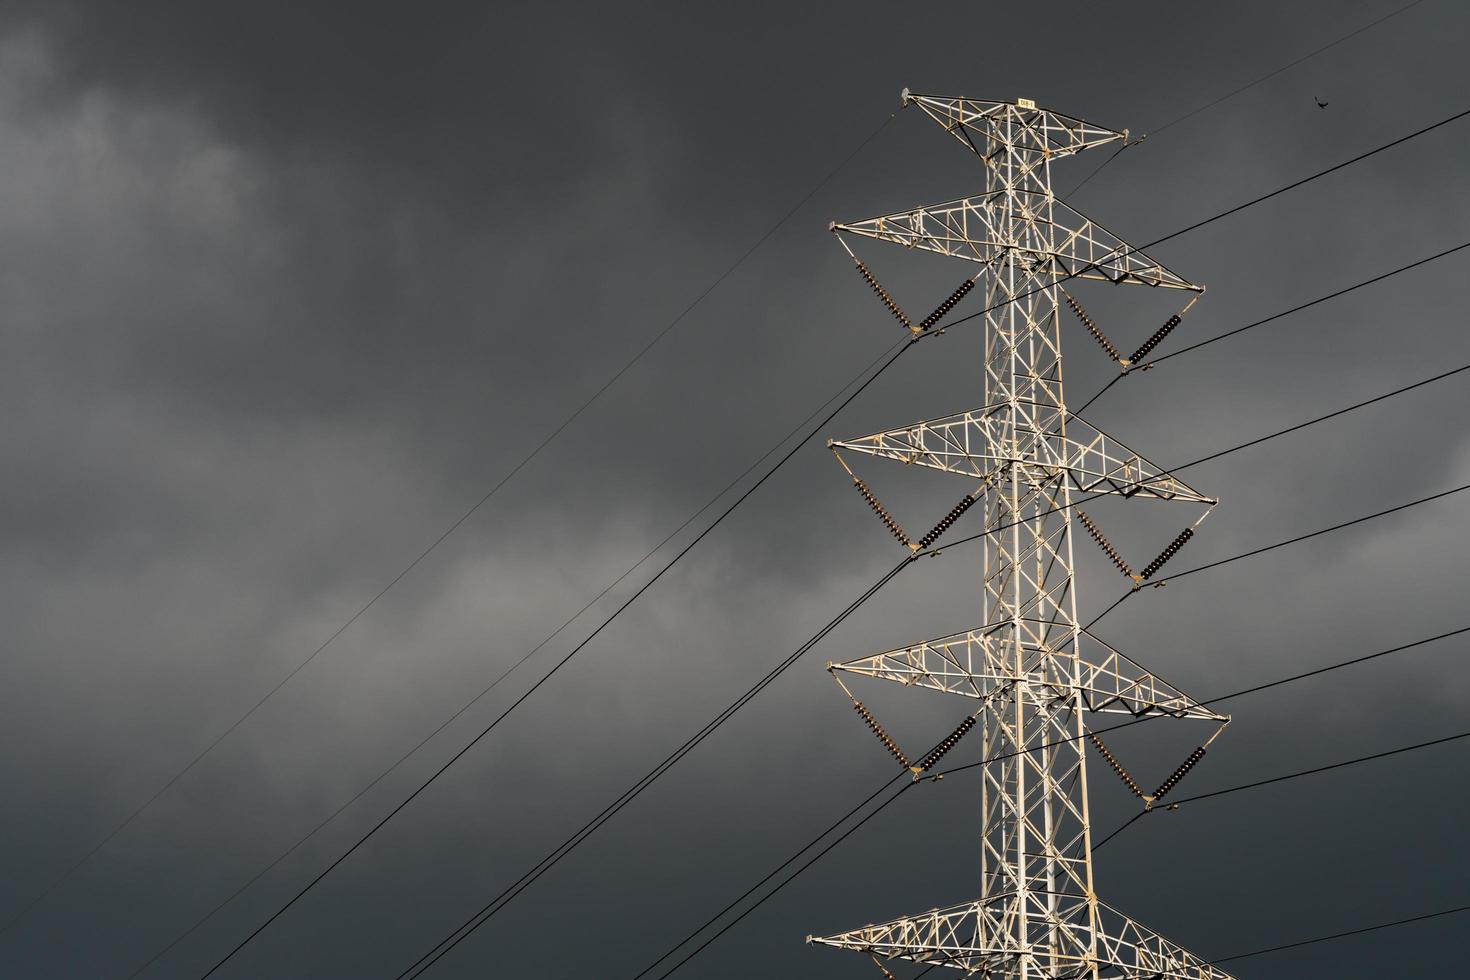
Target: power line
{"x": 447, "y": 532}
{"x": 1270, "y": 75}
{"x": 540, "y": 869}
{"x": 1343, "y": 935}
{"x": 906, "y": 346}
{"x": 1234, "y": 92}
{"x": 1152, "y": 362}
{"x": 1239, "y": 207}
{"x": 997, "y": 758}
{"x": 1308, "y": 942}
{"x": 1303, "y": 306}
{"x": 1175, "y": 804}
{"x": 1266, "y": 438}
{"x": 1109, "y": 609}
{"x": 505, "y": 896}
{"x": 160, "y": 953}
{"x": 1312, "y": 534}
{"x": 494, "y": 906}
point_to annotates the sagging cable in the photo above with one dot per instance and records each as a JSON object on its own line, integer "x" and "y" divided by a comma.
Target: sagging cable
{"x": 1107, "y": 345}
{"x": 1128, "y": 780}
{"x": 1106, "y": 546}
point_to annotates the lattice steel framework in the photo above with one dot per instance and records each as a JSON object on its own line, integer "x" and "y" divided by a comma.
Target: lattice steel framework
{"x": 1031, "y": 672}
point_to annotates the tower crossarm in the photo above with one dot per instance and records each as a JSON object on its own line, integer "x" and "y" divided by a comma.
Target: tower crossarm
{"x": 1046, "y": 236}
{"x": 983, "y": 443}
{"x": 979, "y": 664}
{"x": 1018, "y": 126}
{"x": 980, "y": 938}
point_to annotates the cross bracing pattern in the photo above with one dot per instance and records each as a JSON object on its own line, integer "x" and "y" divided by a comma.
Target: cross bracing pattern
{"x": 1059, "y": 239}
{"x": 983, "y": 443}
{"x": 980, "y": 664}
{"x": 1031, "y": 672}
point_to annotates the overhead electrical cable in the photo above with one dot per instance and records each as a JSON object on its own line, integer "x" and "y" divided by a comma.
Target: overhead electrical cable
{"x": 1280, "y": 682}
{"x": 1343, "y": 935}
{"x": 1176, "y": 803}
{"x": 906, "y": 346}
{"x": 448, "y": 531}
{"x": 1153, "y": 361}
{"x": 220, "y": 905}
{"x": 1148, "y": 134}
{"x": 494, "y": 906}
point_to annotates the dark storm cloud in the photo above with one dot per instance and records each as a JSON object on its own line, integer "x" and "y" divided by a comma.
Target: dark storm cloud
{"x": 287, "y": 287}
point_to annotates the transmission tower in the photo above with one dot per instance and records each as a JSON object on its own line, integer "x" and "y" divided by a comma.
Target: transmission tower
{"x": 1032, "y": 673}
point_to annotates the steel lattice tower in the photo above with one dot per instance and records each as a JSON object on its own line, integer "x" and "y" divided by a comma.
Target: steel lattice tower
{"x": 1032, "y": 673}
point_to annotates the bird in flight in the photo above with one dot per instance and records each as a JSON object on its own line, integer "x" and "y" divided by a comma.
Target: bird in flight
{"x": 1320, "y": 103}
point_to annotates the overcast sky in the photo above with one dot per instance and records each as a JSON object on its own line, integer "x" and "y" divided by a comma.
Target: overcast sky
{"x": 287, "y": 288}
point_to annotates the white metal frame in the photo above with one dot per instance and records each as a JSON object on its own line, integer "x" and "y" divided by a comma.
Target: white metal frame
{"x": 1033, "y": 670}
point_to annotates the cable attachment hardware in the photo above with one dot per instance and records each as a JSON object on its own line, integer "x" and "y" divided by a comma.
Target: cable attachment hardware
{"x": 883, "y": 295}
{"x": 1167, "y": 553}
{"x": 942, "y": 749}
{"x": 881, "y": 968}
{"x": 1128, "y": 780}
{"x": 1152, "y": 342}
{"x": 1107, "y": 345}
{"x": 945, "y": 307}
{"x": 947, "y": 520}
{"x": 1178, "y": 774}
{"x": 1105, "y": 545}
{"x": 877, "y": 730}
{"x": 883, "y": 514}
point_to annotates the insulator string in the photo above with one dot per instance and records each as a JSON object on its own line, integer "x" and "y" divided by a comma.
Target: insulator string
{"x": 877, "y": 730}
{"x": 948, "y": 520}
{"x": 1105, "y": 545}
{"x": 1154, "y": 341}
{"x": 1128, "y": 780}
{"x": 1097, "y": 334}
{"x": 1167, "y": 553}
{"x": 943, "y": 308}
{"x": 883, "y": 295}
{"x": 942, "y": 749}
{"x": 1179, "y": 773}
{"x": 883, "y": 514}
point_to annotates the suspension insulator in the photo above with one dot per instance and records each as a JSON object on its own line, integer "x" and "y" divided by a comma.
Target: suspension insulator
{"x": 1117, "y": 766}
{"x": 1169, "y": 552}
{"x": 942, "y": 749}
{"x": 883, "y": 514}
{"x": 943, "y": 308}
{"x": 1153, "y": 341}
{"x": 946, "y": 521}
{"x": 877, "y": 730}
{"x": 1097, "y": 334}
{"x": 883, "y": 295}
{"x": 1105, "y": 545}
{"x": 1179, "y": 773}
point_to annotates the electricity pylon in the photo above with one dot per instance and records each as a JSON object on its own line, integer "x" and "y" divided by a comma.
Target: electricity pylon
{"x": 1032, "y": 672}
